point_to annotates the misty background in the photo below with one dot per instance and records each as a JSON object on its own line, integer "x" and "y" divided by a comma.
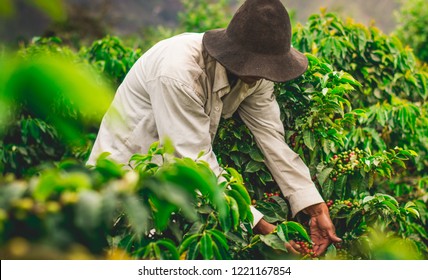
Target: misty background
{"x": 94, "y": 19}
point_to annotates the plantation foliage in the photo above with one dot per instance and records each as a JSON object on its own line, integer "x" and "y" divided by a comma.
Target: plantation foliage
{"x": 357, "y": 117}
{"x": 413, "y": 27}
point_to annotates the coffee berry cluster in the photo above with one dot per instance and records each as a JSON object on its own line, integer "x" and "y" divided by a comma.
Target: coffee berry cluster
{"x": 340, "y": 203}
{"x": 302, "y": 124}
{"x": 306, "y": 249}
{"x": 267, "y": 196}
{"x": 345, "y": 163}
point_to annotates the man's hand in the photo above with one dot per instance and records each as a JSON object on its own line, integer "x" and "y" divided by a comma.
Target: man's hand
{"x": 264, "y": 227}
{"x": 322, "y": 230}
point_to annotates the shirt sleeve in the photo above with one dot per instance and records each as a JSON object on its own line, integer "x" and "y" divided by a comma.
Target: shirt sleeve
{"x": 260, "y": 112}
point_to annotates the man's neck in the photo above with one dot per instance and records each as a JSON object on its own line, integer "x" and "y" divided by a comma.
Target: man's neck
{"x": 232, "y": 78}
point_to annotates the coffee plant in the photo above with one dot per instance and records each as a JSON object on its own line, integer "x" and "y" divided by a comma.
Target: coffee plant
{"x": 361, "y": 132}
{"x": 357, "y": 117}
{"x": 381, "y": 63}
{"x": 412, "y": 27}
{"x": 175, "y": 210}
{"x": 393, "y": 89}
{"x": 48, "y": 118}
{"x": 202, "y": 15}
{"x": 111, "y": 58}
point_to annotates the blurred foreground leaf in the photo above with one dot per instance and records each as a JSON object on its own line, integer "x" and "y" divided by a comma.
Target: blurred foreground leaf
{"x": 65, "y": 94}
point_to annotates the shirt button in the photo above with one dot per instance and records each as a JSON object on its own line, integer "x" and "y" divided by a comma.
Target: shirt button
{"x": 217, "y": 108}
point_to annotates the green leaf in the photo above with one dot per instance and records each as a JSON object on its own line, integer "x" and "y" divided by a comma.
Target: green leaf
{"x": 108, "y": 168}
{"x": 235, "y": 174}
{"x": 170, "y": 246}
{"x": 206, "y": 247}
{"x": 253, "y": 166}
{"x": 137, "y": 213}
{"x": 399, "y": 162}
{"x": 157, "y": 255}
{"x": 295, "y": 228}
{"x": 242, "y": 191}
{"x": 41, "y": 75}
{"x": 162, "y": 211}
{"x": 309, "y": 139}
{"x": 168, "y": 147}
{"x": 192, "y": 176}
{"x": 354, "y": 218}
{"x": 234, "y": 212}
{"x": 219, "y": 238}
{"x": 347, "y": 78}
{"x": 367, "y": 199}
{"x": 390, "y": 205}
{"x": 340, "y": 185}
{"x": 54, "y": 182}
{"x": 272, "y": 212}
{"x": 323, "y": 175}
{"x": 265, "y": 177}
{"x": 236, "y": 239}
{"x": 405, "y": 152}
{"x": 225, "y": 219}
{"x": 282, "y": 203}
{"x": 282, "y": 233}
{"x": 413, "y": 211}
{"x": 327, "y": 189}
{"x": 188, "y": 240}
{"x": 193, "y": 251}
{"x": 273, "y": 241}
{"x": 174, "y": 195}
{"x": 242, "y": 204}
{"x": 221, "y": 253}
{"x": 256, "y": 155}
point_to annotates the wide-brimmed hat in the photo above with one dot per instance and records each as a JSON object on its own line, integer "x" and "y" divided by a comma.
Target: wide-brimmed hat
{"x": 257, "y": 43}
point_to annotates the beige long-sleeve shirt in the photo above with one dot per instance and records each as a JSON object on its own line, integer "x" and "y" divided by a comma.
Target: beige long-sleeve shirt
{"x": 177, "y": 90}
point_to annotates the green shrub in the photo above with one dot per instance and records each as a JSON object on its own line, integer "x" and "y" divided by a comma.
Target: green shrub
{"x": 178, "y": 210}
{"x": 111, "y": 58}
{"x": 355, "y": 117}
{"x": 413, "y": 26}
{"x": 50, "y": 95}
{"x": 393, "y": 88}
{"x": 381, "y": 63}
{"x": 203, "y": 15}
{"x": 153, "y": 212}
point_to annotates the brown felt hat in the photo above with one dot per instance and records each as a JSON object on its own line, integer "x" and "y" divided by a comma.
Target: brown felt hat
{"x": 257, "y": 43}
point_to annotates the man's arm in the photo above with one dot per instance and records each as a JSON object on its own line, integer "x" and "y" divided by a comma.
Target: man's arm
{"x": 260, "y": 112}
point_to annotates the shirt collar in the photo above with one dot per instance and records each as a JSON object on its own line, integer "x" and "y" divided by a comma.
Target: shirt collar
{"x": 221, "y": 83}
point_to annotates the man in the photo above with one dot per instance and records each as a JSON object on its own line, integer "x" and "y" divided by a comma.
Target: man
{"x": 182, "y": 86}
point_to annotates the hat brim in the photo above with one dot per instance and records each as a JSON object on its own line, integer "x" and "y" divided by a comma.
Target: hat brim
{"x": 241, "y": 62}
